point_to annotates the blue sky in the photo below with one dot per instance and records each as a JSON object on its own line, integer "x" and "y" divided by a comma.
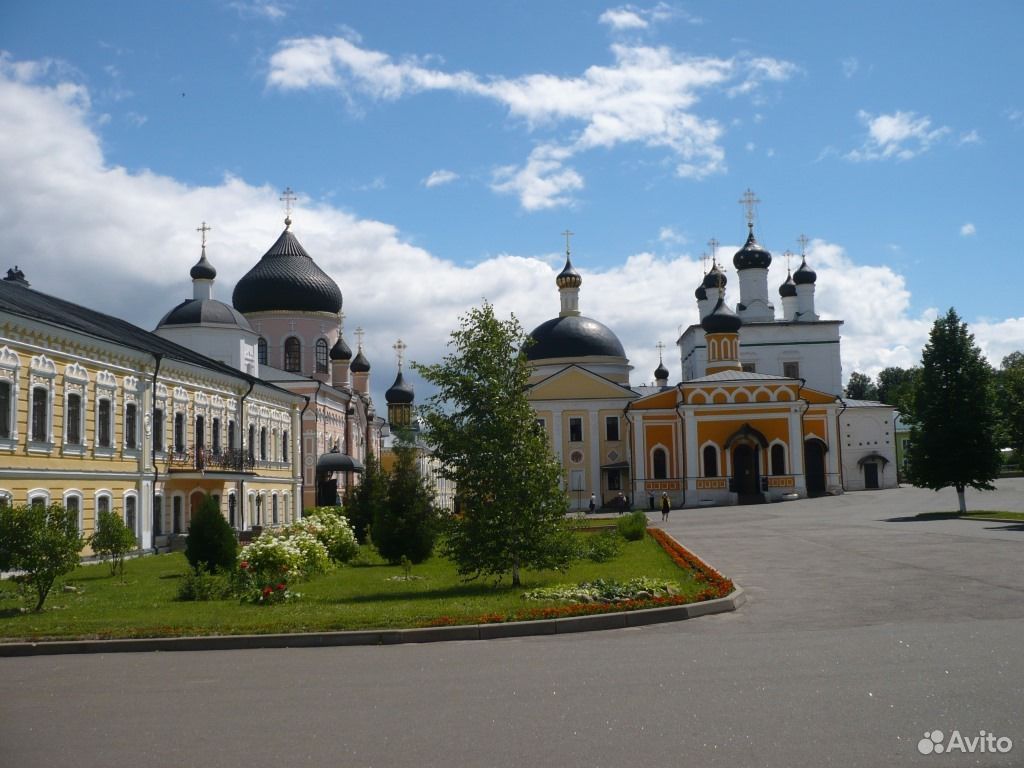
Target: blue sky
{"x": 440, "y": 148}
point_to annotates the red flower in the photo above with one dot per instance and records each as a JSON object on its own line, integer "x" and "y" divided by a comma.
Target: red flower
{"x": 244, "y": 565}
{"x": 267, "y": 591}
{"x": 280, "y": 587}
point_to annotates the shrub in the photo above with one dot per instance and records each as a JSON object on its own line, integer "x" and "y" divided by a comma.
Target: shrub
{"x": 211, "y": 541}
{"x": 112, "y": 540}
{"x": 44, "y": 542}
{"x": 332, "y": 530}
{"x": 632, "y": 526}
{"x": 601, "y": 547}
{"x": 200, "y": 584}
{"x": 368, "y": 496}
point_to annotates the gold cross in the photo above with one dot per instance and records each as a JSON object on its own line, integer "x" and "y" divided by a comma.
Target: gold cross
{"x": 749, "y": 201}
{"x": 803, "y": 245}
{"x": 399, "y": 347}
{"x": 713, "y": 244}
{"x": 204, "y": 229}
{"x": 659, "y": 346}
{"x": 567, "y": 234}
{"x": 359, "y": 336}
{"x": 288, "y": 197}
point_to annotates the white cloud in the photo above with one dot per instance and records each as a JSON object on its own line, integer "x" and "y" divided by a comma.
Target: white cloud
{"x": 439, "y": 177}
{"x": 669, "y": 235}
{"x": 1015, "y": 116}
{"x": 647, "y": 96}
{"x": 259, "y": 8}
{"x": 132, "y": 257}
{"x": 623, "y": 18}
{"x": 900, "y": 136}
{"x": 970, "y": 137}
{"x": 850, "y": 66}
{"x": 967, "y": 229}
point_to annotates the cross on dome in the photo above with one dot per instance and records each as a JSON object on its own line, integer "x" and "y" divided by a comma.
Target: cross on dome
{"x": 713, "y": 245}
{"x": 288, "y": 197}
{"x": 749, "y": 202}
{"x": 399, "y": 347}
{"x": 203, "y": 230}
{"x": 567, "y": 234}
{"x": 359, "y": 336}
{"x": 803, "y": 240}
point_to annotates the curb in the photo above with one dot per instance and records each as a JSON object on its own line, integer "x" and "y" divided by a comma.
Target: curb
{"x": 593, "y": 623}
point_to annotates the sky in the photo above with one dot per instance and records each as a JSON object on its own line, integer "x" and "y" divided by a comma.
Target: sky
{"x": 438, "y": 151}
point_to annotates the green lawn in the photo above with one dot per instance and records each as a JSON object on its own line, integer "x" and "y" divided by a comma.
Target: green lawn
{"x": 993, "y": 514}
{"x": 360, "y": 597}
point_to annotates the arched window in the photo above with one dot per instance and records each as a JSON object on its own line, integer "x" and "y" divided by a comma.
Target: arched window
{"x": 131, "y": 514}
{"x": 179, "y": 433}
{"x": 158, "y": 429}
{"x": 131, "y": 426}
{"x": 252, "y": 442}
{"x": 263, "y": 444}
{"x": 321, "y": 356}
{"x": 73, "y": 417}
{"x": 103, "y": 423}
{"x": 232, "y": 510}
{"x": 40, "y": 415}
{"x": 778, "y": 459}
{"x": 710, "y": 461}
{"x": 284, "y": 446}
{"x": 660, "y": 464}
{"x": 293, "y": 355}
{"x": 261, "y": 351}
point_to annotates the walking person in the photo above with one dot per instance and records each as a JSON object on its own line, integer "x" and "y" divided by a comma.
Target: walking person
{"x": 593, "y": 503}
{"x": 666, "y": 505}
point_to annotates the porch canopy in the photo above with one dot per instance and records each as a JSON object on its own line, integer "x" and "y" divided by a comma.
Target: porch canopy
{"x": 338, "y": 462}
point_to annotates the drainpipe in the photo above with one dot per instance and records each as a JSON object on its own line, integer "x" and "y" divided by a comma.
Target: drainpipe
{"x": 158, "y": 357}
{"x": 682, "y": 424}
{"x": 632, "y": 452}
{"x": 302, "y": 455}
{"x": 839, "y": 441}
{"x": 241, "y": 446}
{"x": 803, "y": 431}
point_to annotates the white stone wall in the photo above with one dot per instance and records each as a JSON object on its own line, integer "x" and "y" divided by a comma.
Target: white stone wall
{"x": 867, "y": 430}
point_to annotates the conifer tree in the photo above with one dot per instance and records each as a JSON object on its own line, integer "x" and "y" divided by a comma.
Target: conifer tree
{"x": 484, "y": 433}
{"x": 953, "y": 440}
{"x": 369, "y": 496}
{"x": 406, "y": 526}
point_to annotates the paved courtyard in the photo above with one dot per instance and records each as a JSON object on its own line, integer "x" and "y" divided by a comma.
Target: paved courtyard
{"x": 864, "y": 630}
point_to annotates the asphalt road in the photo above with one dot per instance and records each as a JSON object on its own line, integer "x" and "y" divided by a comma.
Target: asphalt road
{"x": 864, "y": 630}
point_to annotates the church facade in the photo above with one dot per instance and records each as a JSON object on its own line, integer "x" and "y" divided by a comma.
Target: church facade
{"x": 757, "y": 414}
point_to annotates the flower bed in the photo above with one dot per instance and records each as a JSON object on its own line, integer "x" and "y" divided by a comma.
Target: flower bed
{"x": 717, "y": 584}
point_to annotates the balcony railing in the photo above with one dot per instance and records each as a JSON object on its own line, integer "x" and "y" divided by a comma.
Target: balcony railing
{"x": 204, "y": 460}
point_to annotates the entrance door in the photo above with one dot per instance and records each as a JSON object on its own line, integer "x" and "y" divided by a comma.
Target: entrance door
{"x": 871, "y": 475}
{"x": 814, "y": 467}
{"x": 747, "y": 473}
{"x": 195, "y": 502}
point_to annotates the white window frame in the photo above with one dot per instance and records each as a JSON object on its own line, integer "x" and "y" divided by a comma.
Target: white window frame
{"x": 134, "y": 496}
{"x": 38, "y": 493}
{"x": 74, "y": 493}
{"x": 42, "y": 373}
{"x": 10, "y": 365}
{"x": 105, "y": 389}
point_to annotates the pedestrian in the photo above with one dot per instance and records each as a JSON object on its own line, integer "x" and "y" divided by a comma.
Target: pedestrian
{"x": 593, "y": 503}
{"x": 666, "y": 505}
{"x": 650, "y": 500}
{"x": 620, "y": 502}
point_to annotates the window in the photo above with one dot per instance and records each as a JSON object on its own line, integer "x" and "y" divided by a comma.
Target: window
{"x": 73, "y": 504}
{"x": 252, "y": 442}
{"x": 200, "y": 433}
{"x": 130, "y": 514}
{"x": 284, "y": 446}
{"x": 37, "y": 502}
{"x": 176, "y": 521}
{"x": 293, "y": 355}
{"x": 749, "y": 367}
{"x": 179, "y": 433}
{"x": 263, "y": 443}
{"x": 158, "y": 515}
{"x": 710, "y": 461}
{"x": 660, "y": 462}
{"x": 102, "y": 505}
{"x": 232, "y": 510}
{"x": 73, "y": 417}
{"x": 158, "y": 429}
{"x": 778, "y": 459}
{"x": 321, "y": 356}
{"x": 575, "y": 429}
{"x": 611, "y": 427}
{"x": 131, "y": 426}
{"x": 40, "y": 425}
{"x": 231, "y": 435}
{"x": 274, "y": 511}
{"x": 261, "y": 351}
{"x": 216, "y": 436}
{"x": 614, "y": 480}
{"x": 791, "y": 370}
{"x": 5, "y": 409}
{"x": 103, "y": 425}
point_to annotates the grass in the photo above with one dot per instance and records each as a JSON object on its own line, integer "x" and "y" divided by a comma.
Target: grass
{"x": 991, "y": 514}
{"x": 359, "y": 597}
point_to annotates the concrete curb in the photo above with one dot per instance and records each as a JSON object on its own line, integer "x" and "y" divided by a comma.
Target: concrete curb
{"x": 593, "y": 623}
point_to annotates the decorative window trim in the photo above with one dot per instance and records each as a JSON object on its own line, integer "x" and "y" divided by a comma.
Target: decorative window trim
{"x": 180, "y": 395}
{"x": 10, "y": 364}
{"x": 98, "y": 449}
{"x": 38, "y": 493}
{"x": 74, "y": 493}
{"x": 79, "y": 448}
{"x": 41, "y": 446}
{"x": 785, "y": 457}
{"x": 654, "y": 449}
{"x": 97, "y": 496}
{"x": 134, "y": 495}
{"x": 719, "y": 469}
{"x": 129, "y": 450}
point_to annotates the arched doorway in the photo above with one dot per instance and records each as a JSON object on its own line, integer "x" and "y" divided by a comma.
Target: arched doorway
{"x": 814, "y": 466}
{"x": 747, "y": 472}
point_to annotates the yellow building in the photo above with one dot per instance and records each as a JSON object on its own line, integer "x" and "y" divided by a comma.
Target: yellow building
{"x": 98, "y": 414}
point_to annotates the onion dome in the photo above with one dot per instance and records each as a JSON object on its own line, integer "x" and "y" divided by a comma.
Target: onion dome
{"x": 286, "y": 278}
{"x": 568, "y": 277}
{"x": 400, "y": 392}
{"x": 573, "y": 336}
{"x": 752, "y": 255}
{"x": 721, "y": 320}
{"x": 205, "y": 312}
{"x": 340, "y": 350}
{"x": 203, "y": 269}
{"x": 700, "y": 294}
{"x": 359, "y": 363}
{"x": 805, "y": 275}
{"x": 661, "y": 372}
{"x": 788, "y": 288}
{"x": 715, "y": 278}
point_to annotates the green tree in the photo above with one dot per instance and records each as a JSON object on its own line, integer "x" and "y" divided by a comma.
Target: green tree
{"x": 860, "y": 387}
{"x": 370, "y": 495}
{"x": 953, "y": 437}
{"x": 896, "y": 387}
{"x": 44, "y": 542}
{"x": 1011, "y": 401}
{"x": 211, "y": 541}
{"x": 484, "y": 434}
{"x": 112, "y": 540}
{"x": 406, "y": 526}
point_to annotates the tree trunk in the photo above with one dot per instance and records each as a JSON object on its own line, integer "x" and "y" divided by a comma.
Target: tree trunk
{"x": 515, "y": 572}
{"x": 961, "y": 499}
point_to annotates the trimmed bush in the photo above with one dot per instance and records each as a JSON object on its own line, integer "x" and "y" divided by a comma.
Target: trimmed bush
{"x": 211, "y": 541}
{"x": 632, "y": 526}
{"x": 112, "y": 540}
{"x": 203, "y": 585}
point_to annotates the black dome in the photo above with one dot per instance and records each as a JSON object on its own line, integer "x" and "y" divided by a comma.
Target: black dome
{"x": 715, "y": 278}
{"x": 788, "y": 288}
{"x": 721, "y": 320}
{"x": 204, "y": 312}
{"x": 568, "y": 277}
{"x": 700, "y": 294}
{"x": 573, "y": 336}
{"x": 805, "y": 275}
{"x": 752, "y": 255}
{"x": 203, "y": 270}
{"x": 286, "y": 278}
{"x": 360, "y": 364}
{"x": 661, "y": 372}
{"x": 340, "y": 350}
{"x": 400, "y": 392}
